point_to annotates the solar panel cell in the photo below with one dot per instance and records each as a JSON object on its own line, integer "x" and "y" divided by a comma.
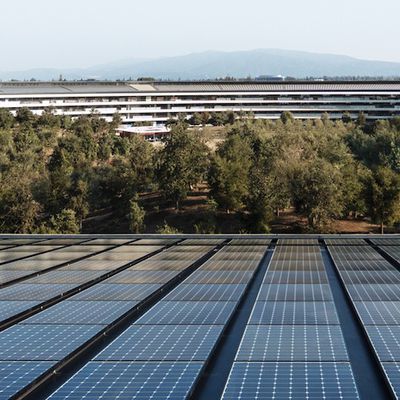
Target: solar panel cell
{"x": 294, "y": 313}
{"x": 162, "y": 343}
{"x": 184, "y": 313}
{"x": 248, "y": 381}
{"x": 16, "y": 375}
{"x": 139, "y": 381}
{"x": 292, "y": 343}
{"x": 43, "y": 342}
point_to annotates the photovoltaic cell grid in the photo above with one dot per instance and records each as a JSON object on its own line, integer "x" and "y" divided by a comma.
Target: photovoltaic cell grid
{"x": 53, "y": 283}
{"x": 9, "y": 254}
{"x": 393, "y": 251}
{"x": 346, "y": 241}
{"x": 55, "y": 332}
{"x": 178, "y": 333}
{"x": 294, "y": 309}
{"x": 38, "y": 263}
{"x": 15, "y": 375}
{"x": 249, "y": 242}
{"x": 373, "y": 286}
{"x": 19, "y": 241}
{"x": 284, "y": 380}
{"x": 386, "y": 241}
{"x": 293, "y": 346}
{"x": 131, "y": 380}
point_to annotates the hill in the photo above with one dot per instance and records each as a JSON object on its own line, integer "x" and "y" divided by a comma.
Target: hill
{"x": 217, "y": 64}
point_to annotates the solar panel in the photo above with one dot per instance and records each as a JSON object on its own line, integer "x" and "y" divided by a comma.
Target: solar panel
{"x": 123, "y": 380}
{"x": 16, "y": 375}
{"x": 232, "y": 264}
{"x": 63, "y": 241}
{"x": 249, "y": 242}
{"x": 294, "y": 313}
{"x": 162, "y": 343}
{"x": 210, "y": 292}
{"x": 8, "y": 276}
{"x": 373, "y": 292}
{"x": 82, "y": 312}
{"x": 112, "y": 291}
{"x": 43, "y": 342}
{"x": 15, "y": 241}
{"x": 26, "y": 291}
{"x": 184, "y": 313}
{"x": 201, "y": 241}
{"x": 392, "y": 372}
{"x": 386, "y": 241}
{"x": 298, "y": 242}
{"x": 379, "y": 312}
{"x": 165, "y": 265}
{"x": 10, "y": 308}
{"x": 295, "y": 292}
{"x": 368, "y": 264}
{"x": 29, "y": 264}
{"x": 132, "y": 276}
{"x": 292, "y": 343}
{"x": 346, "y": 241}
{"x": 22, "y": 251}
{"x": 107, "y": 241}
{"x": 220, "y": 276}
{"x": 61, "y": 276}
{"x": 93, "y": 265}
{"x": 295, "y": 264}
{"x": 386, "y": 341}
{"x": 291, "y": 277}
{"x": 154, "y": 242}
{"x": 284, "y": 381}
{"x": 371, "y": 277}
{"x": 393, "y": 251}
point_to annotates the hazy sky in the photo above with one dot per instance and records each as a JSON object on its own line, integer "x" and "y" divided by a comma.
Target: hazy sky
{"x": 79, "y": 33}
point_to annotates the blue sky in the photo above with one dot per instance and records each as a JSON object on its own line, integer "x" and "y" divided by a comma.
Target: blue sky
{"x": 80, "y": 33}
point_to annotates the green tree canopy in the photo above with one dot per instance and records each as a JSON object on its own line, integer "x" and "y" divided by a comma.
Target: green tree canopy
{"x": 182, "y": 163}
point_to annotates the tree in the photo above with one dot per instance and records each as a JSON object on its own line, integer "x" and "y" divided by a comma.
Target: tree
{"x": 48, "y": 119}
{"x": 325, "y": 118}
{"x": 286, "y": 117}
{"x": 19, "y": 210}
{"x": 361, "y": 119}
{"x": 196, "y": 119}
{"x": 136, "y": 216}
{"x": 6, "y": 119}
{"x": 25, "y": 116}
{"x": 383, "y": 196}
{"x": 205, "y": 118}
{"x": 229, "y": 173}
{"x": 218, "y": 118}
{"x": 63, "y": 223}
{"x": 317, "y": 192}
{"x": 182, "y": 163}
{"x": 167, "y": 229}
{"x": 346, "y": 117}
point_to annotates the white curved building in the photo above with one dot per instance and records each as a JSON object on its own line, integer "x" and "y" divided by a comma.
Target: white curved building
{"x": 156, "y": 102}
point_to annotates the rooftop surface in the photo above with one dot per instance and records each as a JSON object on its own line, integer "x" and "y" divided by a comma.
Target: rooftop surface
{"x": 200, "y": 317}
{"x": 53, "y": 88}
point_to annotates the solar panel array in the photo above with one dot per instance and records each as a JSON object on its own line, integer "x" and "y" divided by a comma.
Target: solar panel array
{"x": 175, "y": 338}
{"x": 175, "y": 301}
{"x": 54, "y": 333}
{"x": 373, "y": 285}
{"x": 293, "y": 345}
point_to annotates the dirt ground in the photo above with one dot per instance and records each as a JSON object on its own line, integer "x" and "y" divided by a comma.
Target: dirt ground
{"x": 195, "y": 210}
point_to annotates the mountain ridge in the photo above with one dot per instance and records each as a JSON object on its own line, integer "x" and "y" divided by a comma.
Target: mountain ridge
{"x": 217, "y": 64}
